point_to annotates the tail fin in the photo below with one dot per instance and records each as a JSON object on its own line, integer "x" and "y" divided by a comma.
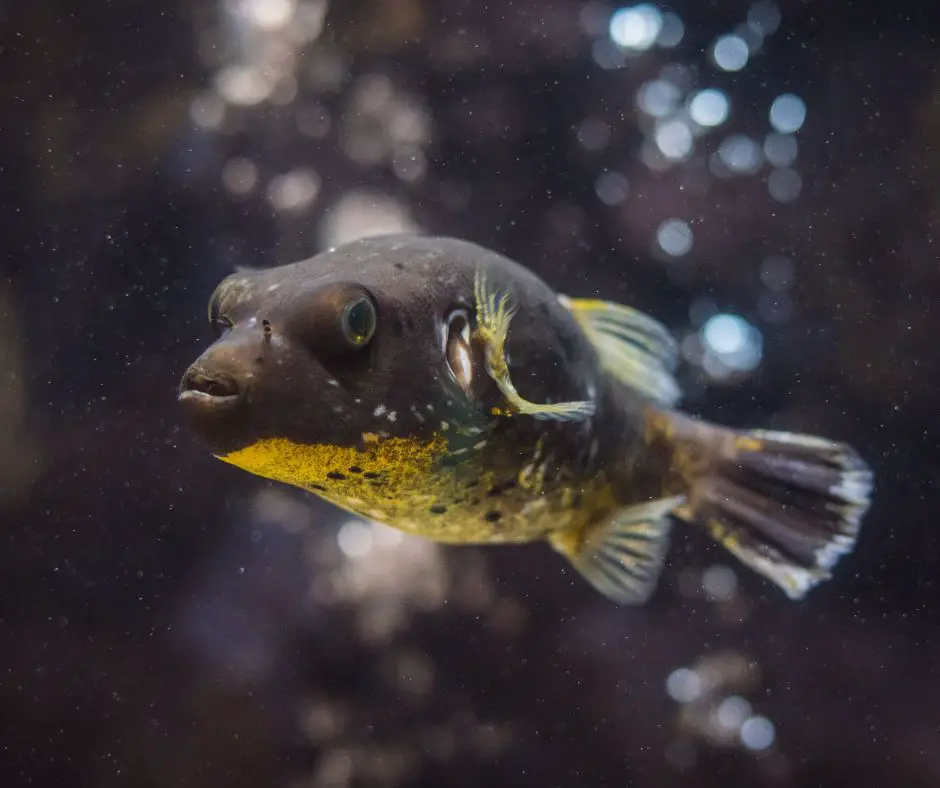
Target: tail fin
{"x": 788, "y": 506}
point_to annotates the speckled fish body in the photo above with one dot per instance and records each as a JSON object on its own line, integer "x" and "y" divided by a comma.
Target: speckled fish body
{"x": 442, "y": 389}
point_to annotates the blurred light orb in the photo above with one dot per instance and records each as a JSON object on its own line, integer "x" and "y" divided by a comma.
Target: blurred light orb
{"x": 787, "y": 113}
{"x": 733, "y": 712}
{"x": 784, "y": 185}
{"x": 363, "y": 213}
{"x": 636, "y": 27}
{"x": 732, "y": 341}
{"x": 740, "y": 154}
{"x": 355, "y": 539}
{"x": 409, "y": 164}
{"x": 725, "y": 334}
{"x": 709, "y": 107}
{"x": 207, "y": 110}
{"x": 764, "y": 17}
{"x": 776, "y": 272}
{"x": 757, "y": 733}
{"x": 612, "y": 188}
{"x": 240, "y": 176}
{"x": 658, "y": 98}
{"x": 671, "y": 32}
{"x": 683, "y": 685}
{"x": 730, "y": 53}
{"x": 268, "y": 14}
{"x": 593, "y": 134}
{"x": 594, "y": 18}
{"x": 720, "y": 582}
{"x": 674, "y": 139}
{"x": 242, "y": 85}
{"x": 780, "y": 149}
{"x": 294, "y": 191}
{"x": 674, "y": 237}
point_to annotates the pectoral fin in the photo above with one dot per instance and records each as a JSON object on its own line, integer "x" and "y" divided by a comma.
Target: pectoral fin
{"x": 494, "y": 314}
{"x": 623, "y": 556}
{"x": 633, "y": 347}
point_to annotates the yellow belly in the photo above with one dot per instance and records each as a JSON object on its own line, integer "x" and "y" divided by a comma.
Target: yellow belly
{"x": 400, "y": 482}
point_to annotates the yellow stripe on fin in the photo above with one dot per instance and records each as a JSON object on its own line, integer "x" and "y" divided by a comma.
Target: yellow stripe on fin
{"x": 633, "y": 347}
{"x": 494, "y": 314}
{"x": 622, "y": 557}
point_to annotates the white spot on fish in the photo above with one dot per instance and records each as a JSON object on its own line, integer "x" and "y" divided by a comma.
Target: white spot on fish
{"x": 379, "y": 410}
{"x": 357, "y": 401}
{"x": 272, "y": 288}
{"x": 430, "y": 408}
{"x": 479, "y": 445}
{"x": 392, "y": 416}
{"x": 333, "y": 382}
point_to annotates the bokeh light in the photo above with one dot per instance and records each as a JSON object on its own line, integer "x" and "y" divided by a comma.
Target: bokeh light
{"x": 636, "y": 27}
{"x": 741, "y": 154}
{"x": 730, "y": 53}
{"x": 674, "y": 139}
{"x": 757, "y": 733}
{"x": 787, "y": 113}
{"x": 671, "y": 32}
{"x": 780, "y": 149}
{"x": 674, "y": 237}
{"x": 731, "y": 345}
{"x": 784, "y": 184}
{"x": 658, "y": 98}
{"x": 612, "y": 188}
{"x": 709, "y": 107}
{"x": 764, "y": 17}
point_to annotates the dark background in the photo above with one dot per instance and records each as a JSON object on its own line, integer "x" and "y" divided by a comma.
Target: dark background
{"x": 166, "y": 620}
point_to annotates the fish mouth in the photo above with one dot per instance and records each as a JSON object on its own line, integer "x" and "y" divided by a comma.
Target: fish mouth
{"x": 203, "y": 391}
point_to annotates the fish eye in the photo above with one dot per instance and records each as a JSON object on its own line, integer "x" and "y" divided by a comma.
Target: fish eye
{"x": 457, "y": 348}
{"x": 358, "y": 321}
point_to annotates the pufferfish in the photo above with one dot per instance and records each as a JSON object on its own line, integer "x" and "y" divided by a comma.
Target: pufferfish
{"x": 442, "y": 389}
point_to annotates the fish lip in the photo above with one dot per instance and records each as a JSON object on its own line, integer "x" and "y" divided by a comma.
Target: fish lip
{"x": 203, "y": 399}
{"x": 202, "y": 392}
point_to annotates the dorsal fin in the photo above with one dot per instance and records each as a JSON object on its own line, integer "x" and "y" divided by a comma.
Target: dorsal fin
{"x": 635, "y": 348}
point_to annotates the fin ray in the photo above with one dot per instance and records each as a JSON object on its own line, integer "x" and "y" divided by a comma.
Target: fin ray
{"x": 494, "y": 314}
{"x": 634, "y": 347}
{"x": 623, "y": 556}
{"x": 787, "y": 506}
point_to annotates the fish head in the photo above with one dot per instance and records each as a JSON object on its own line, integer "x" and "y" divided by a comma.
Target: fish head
{"x": 360, "y": 355}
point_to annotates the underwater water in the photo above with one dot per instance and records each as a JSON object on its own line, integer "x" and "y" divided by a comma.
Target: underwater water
{"x": 763, "y": 177}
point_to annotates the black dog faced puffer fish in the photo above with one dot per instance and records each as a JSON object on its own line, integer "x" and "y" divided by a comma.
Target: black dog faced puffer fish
{"x": 442, "y": 389}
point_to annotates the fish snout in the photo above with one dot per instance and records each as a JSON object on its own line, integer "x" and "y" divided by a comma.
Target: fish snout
{"x": 214, "y": 389}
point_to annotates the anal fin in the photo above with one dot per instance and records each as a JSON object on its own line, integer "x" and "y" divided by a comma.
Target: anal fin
{"x": 622, "y": 557}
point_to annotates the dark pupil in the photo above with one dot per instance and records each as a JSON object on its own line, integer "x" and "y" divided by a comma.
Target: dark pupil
{"x": 359, "y": 320}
